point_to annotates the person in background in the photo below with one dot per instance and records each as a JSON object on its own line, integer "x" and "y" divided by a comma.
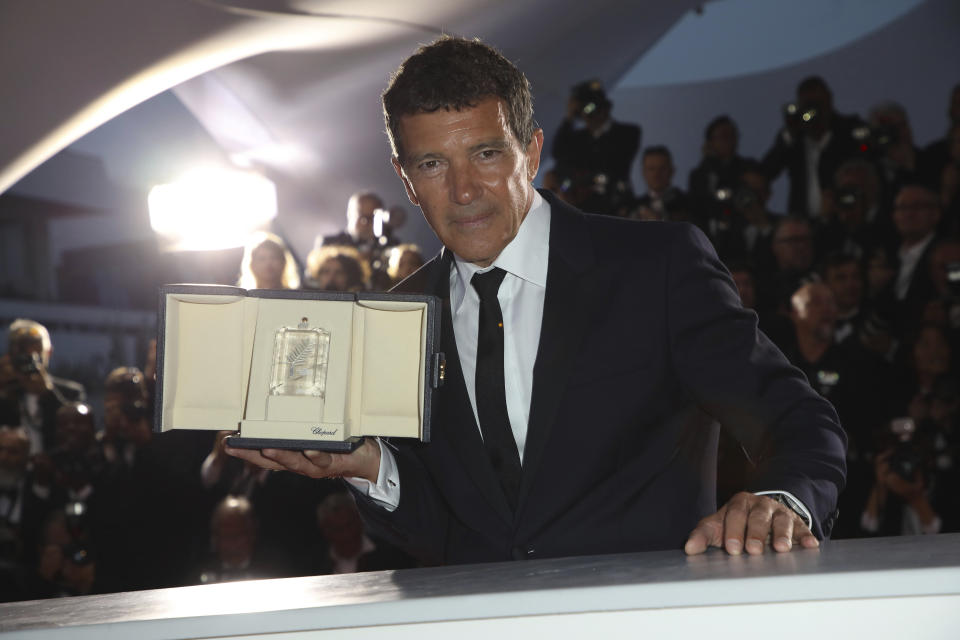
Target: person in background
{"x": 856, "y": 214}
{"x": 348, "y": 548}
{"x": 363, "y": 233}
{"x": 233, "y": 544}
{"x": 29, "y": 395}
{"x": 814, "y": 141}
{"x": 268, "y": 264}
{"x": 914, "y": 488}
{"x": 719, "y": 171}
{"x": 25, "y": 501}
{"x": 662, "y": 201}
{"x": 916, "y": 213}
{"x": 600, "y": 152}
{"x": 404, "y": 260}
{"x": 746, "y": 233}
{"x": 792, "y": 248}
{"x": 337, "y": 268}
{"x": 899, "y": 159}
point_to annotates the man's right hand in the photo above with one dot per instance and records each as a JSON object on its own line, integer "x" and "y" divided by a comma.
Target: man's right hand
{"x": 364, "y": 462}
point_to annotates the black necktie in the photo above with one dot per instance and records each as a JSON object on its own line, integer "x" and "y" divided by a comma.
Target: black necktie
{"x": 491, "y": 397}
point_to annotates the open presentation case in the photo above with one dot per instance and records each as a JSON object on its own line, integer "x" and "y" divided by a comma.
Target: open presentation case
{"x": 297, "y": 369}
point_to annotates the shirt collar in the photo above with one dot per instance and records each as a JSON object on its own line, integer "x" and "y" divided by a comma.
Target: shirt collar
{"x": 525, "y": 257}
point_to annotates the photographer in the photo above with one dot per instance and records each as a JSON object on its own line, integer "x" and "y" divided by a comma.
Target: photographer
{"x": 720, "y": 169}
{"x": 892, "y": 141}
{"x": 662, "y": 201}
{"x": 600, "y": 151}
{"x": 747, "y": 232}
{"x": 814, "y": 137}
{"x": 29, "y": 395}
{"x": 915, "y": 475}
{"x": 856, "y": 218}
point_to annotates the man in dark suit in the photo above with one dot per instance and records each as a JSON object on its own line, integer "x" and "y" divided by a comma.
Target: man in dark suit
{"x": 599, "y": 153}
{"x": 578, "y": 413}
{"x": 811, "y": 146}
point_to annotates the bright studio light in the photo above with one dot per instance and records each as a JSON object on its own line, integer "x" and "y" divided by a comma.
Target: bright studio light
{"x": 212, "y": 208}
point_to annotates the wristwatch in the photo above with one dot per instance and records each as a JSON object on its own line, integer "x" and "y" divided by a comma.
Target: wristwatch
{"x": 791, "y": 504}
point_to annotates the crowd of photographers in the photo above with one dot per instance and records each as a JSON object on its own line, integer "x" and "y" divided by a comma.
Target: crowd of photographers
{"x": 858, "y": 283}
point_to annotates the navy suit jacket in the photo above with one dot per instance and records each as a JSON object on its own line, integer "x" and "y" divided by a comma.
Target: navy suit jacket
{"x": 644, "y": 348}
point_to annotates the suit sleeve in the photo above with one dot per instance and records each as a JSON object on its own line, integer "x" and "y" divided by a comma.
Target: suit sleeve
{"x": 419, "y": 523}
{"x": 737, "y": 375}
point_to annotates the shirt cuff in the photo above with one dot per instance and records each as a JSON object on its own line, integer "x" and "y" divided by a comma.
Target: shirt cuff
{"x": 386, "y": 492}
{"x": 804, "y": 512}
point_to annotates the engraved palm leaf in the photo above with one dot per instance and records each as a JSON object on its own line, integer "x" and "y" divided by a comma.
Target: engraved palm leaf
{"x": 299, "y": 356}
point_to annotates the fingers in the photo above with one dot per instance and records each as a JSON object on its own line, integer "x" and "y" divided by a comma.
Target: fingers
{"x": 254, "y": 457}
{"x": 783, "y": 526}
{"x": 748, "y": 523}
{"x": 708, "y": 533}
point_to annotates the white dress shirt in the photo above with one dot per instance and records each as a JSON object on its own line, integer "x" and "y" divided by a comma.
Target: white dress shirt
{"x": 521, "y": 300}
{"x": 909, "y": 259}
{"x": 812, "y": 150}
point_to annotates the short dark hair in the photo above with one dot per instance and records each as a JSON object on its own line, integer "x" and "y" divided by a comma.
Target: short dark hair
{"x": 657, "y": 150}
{"x": 456, "y": 74}
{"x": 811, "y": 83}
{"x": 717, "y": 122}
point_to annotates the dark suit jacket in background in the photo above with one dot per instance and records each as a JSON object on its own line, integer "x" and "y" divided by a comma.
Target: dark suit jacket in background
{"x": 793, "y": 157}
{"x": 643, "y": 344}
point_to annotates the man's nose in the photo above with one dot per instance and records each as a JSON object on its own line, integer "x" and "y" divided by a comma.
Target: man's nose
{"x": 463, "y": 184}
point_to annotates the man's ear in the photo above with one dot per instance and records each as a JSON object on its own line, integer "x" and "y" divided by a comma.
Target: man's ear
{"x": 533, "y": 154}
{"x": 406, "y": 183}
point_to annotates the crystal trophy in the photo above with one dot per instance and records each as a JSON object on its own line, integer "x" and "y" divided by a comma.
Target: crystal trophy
{"x": 300, "y": 361}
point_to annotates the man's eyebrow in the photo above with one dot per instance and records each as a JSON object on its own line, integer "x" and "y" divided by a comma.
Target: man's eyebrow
{"x": 495, "y": 143}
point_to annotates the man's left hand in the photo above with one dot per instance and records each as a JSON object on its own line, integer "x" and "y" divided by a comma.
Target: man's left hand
{"x": 748, "y": 522}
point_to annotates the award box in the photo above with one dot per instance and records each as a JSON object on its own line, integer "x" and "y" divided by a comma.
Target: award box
{"x": 297, "y": 369}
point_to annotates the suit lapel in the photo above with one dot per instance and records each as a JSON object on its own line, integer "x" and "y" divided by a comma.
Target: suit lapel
{"x": 458, "y": 420}
{"x": 572, "y": 296}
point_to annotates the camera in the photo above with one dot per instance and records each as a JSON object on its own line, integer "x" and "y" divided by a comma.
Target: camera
{"x": 800, "y": 115}
{"x": 906, "y": 458}
{"x": 590, "y": 96}
{"x": 26, "y": 363}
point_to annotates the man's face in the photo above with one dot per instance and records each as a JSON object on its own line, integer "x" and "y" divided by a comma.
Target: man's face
{"x": 360, "y": 218}
{"x": 469, "y": 175}
{"x": 915, "y": 213}
{"x": 267, "y": 263}
{"x": 331, "y": 276}
{"x": 793, "y": 246}
{"x": 847, "y": 285}
{"x": 657, "y": 172}
{"x": 23, "y": 351}
{"x": 723, "y": 140}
